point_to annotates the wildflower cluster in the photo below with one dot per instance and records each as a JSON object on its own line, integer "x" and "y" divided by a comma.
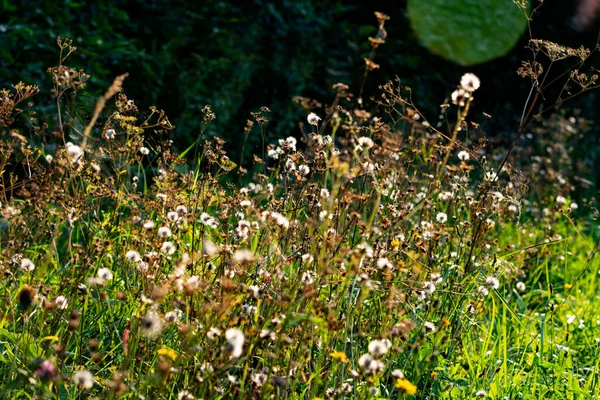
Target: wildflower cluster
{"x": 368, "y": 259}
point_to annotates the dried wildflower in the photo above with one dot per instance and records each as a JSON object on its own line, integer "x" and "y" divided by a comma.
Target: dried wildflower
{"x": 441, "y": 218}
{"x": 303, "y": 169}
{"x": 365, "y": 142}
{"x": 164, "y": 232}
{"x": 254, "y": 291}
{"x": 152, "y": 325}
{"x": 208, "y": 248}
{"x": 313, "y": 119}
{"x": 288, "y": 144}
{"x": 365, "y": 360}
{"x": 277, "y": 217}
{"x": 133, "y": 256}
{"x": 259, "y": 378}
{"x": 463, "y": 155}
{"x": 290, "y": 165}
{"x": 243, "y": 256}
{"x": 398, "y": 374}
{"x": 207, "y": 220}
{"x": 492, "y": 282}
{"x": 190, "y": 286}
{"x": 384, "y": 263}
{"x": 308, "y": 277}
{"x": 168, "y": 248}
{"x": 213, "y": 333}
{"x": 61, "y": 302}
{"x": 274, "y": 154}
{"x": 370, "y": 64}
{"x": 84, "y": 379}
{"x": 105, "y": 274}
{"x": 377, "y": 348}
{"x": 174, "y": 316}
{"x": 429, "y": 326}
{"x": 557, "y": 52}
{"x": 381, "y": 17}
{"x": 185, "y": 395}
{"x": 110, "y": 134}
{"x": 235, "y": 342}
{"x": 491, "y": 176}
{"x": 148, "y": 225}
{"x": 470, "y": 82}
{"x": 370, "y": 365}
{"x": 75, "y": 152}
{"x": 26, "y": 264}
{"x": 429, "y": 287}
{"x": 459, "y": 96}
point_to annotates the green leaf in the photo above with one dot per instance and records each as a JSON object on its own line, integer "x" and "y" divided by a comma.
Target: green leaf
{"x": 467, "y": 31}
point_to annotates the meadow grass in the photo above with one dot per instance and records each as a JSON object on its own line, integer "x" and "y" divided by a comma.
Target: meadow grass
{"x": 376, "y": 257}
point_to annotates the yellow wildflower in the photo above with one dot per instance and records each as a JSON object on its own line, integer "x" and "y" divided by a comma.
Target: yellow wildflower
{"x": 165, "y": 351}
{"x": 406, "y": 386}
{"x": 340, "y": 355}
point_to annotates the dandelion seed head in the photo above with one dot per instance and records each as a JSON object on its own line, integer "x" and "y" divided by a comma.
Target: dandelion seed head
{"x": 148, "y": 225}
{"x": 378, "y": 348}
{"x": 164, "y": 232}
{"x": 304, "y": 169}
{"x": 235, "y": 342}
{"x": 133, "y": 256}
{"x": 105, "y": 274}
{"x": 470, "y": 82}
{"x": 75, "y": 152}
{"x": 27, "y": 265}
{"x": 313, "y": 119}
{"x": 168, "y": 248}
{"x": 429, "y": 326}
{"x": 84, "y": 379}
{"x": 441, "y": 218}
{"x": 243, "y": 256}
{"x": 152, "y": 325}
{"x": 492, "y": 282}
{"x": 61, "y": 302}
{"x": 213, "y": 333}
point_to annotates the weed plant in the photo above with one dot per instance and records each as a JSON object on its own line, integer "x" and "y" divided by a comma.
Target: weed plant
{"x": 378, "y": 256}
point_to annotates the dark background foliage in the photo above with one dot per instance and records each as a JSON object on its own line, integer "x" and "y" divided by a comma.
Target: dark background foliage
{"x": 240, "y": 55}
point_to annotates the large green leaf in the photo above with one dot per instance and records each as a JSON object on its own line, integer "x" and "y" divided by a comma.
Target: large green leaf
{"x": 467, "y": 31}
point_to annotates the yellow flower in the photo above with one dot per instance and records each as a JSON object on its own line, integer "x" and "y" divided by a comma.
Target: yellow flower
{"x": 165, "y": 351}
{"x": 406, "y": 386}
{"x": 340, "y": 355}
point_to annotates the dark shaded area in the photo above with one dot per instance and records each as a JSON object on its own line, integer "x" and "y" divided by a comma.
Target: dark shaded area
{"x": 240, "y": 55}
